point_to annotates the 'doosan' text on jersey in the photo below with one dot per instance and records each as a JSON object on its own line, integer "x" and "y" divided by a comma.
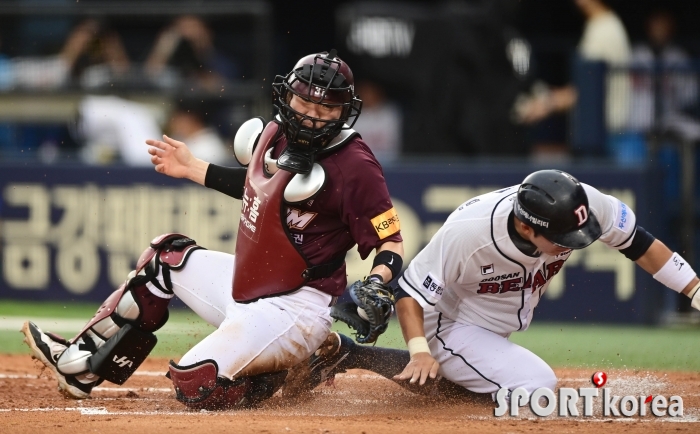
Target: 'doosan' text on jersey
{"x": 472, "y": 272}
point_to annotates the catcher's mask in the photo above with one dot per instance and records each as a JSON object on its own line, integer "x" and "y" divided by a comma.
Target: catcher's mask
{"x": 320, "y": 79}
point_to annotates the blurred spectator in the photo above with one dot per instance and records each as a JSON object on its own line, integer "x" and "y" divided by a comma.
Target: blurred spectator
{"x": 92, "y": 56}
{"x": 113, "y": 129}
{"x": 380, "y": 124}
{"x": 604, "y": 39}
{"x": 663, "y": 84}
{"x": 188, "y": 123}
{"x": 5, "y": 70}
{"x": 6, "y": 129}
{"x": 42, "y": 35}
{"x": 185, "y": 50}
{"x": 664, "y": 89}
{"x": 95, "y": 54}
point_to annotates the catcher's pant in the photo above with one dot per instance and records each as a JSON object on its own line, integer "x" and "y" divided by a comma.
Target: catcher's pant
{"x": 483, "y": 361}
{"x": 271, "y": 334}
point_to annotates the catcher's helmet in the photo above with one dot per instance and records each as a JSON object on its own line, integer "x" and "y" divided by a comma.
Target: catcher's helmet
{"x": 555, "y": 204}
{"x": 321, "y": 79}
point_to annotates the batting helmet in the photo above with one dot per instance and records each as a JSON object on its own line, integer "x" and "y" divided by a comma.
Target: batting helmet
{"x": 555, "y": 204}
{"x": 324, "y": 79}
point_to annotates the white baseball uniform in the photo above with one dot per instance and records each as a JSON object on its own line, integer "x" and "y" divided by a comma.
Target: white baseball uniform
{"x": 476, "y": 288}
{"x": 269, "y": 335}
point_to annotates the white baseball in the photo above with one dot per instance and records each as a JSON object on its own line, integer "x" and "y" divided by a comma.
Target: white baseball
{"x": 362, "y": 313}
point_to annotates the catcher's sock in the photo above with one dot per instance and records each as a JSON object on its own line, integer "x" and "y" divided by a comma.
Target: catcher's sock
{"x": 386, "y": 362}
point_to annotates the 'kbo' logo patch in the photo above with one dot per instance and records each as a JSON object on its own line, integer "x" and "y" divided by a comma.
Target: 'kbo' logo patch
{"x": 434, "y": 286}
{"x": 386, "y": 223}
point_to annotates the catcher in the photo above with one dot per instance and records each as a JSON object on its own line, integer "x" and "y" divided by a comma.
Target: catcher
{"x": 310, "y": 190}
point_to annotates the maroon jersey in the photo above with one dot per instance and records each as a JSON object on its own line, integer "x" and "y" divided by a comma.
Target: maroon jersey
{"x": 353, "y": 208}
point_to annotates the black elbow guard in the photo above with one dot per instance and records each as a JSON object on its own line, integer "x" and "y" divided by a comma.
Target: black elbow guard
{"x": 640, "y": 244}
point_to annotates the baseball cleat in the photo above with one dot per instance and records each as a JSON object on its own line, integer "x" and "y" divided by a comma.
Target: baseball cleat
{"x": 320, "y": 367}
{"x": 47, "y": 348}
{"x": 326, "y": 360}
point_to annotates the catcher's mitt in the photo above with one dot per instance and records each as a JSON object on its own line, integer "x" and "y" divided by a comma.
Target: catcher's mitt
{"x": 370, "y": 310}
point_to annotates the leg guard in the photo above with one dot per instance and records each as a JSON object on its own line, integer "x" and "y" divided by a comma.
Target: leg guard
{"x": 122, "y": 354}
{"x": 198, "y": 386}
{"x": 134, "y": 304}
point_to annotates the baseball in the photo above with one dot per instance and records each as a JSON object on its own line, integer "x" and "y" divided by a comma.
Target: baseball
{"x": 362, "y": 313}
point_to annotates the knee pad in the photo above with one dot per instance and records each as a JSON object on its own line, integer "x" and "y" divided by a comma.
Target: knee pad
{"x": 199, "y": 386}
{"x": 166, "y": 252}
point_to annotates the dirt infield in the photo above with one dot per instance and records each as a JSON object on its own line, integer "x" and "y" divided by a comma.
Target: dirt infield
{"x": 358, "y": 402}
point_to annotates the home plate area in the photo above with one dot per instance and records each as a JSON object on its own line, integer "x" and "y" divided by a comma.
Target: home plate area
{"x": 357, "y": 402}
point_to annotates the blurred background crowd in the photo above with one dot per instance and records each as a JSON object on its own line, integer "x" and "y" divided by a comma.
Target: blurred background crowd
{"x": 546, "y": 80}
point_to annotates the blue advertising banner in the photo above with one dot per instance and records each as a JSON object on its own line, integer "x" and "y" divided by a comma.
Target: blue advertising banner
{"x": 74, "y": 233}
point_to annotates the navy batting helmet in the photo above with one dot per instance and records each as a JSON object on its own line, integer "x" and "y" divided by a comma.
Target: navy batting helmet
{"x": 555, "y": 204}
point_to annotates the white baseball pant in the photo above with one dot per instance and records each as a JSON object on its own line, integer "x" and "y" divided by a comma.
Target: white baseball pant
{"x": 268, "y": 335}
{"x": 483, "y": 361}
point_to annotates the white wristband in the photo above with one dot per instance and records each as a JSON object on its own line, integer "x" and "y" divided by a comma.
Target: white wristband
{"x": 418, "y": 345}
{"x": 676, "y": 273}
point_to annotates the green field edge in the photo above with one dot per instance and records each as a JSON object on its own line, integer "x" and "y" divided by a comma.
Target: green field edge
{"x": 561, "y": 345}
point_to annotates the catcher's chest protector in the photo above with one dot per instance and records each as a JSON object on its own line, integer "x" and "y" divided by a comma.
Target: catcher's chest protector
{"x": 267, "y": 262}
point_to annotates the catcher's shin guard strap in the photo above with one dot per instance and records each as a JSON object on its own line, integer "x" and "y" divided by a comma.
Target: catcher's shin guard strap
{"x": 122, "y": 354}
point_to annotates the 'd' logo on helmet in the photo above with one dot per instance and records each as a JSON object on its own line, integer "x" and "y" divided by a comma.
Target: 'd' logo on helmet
{"x": 582, "y": 214}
